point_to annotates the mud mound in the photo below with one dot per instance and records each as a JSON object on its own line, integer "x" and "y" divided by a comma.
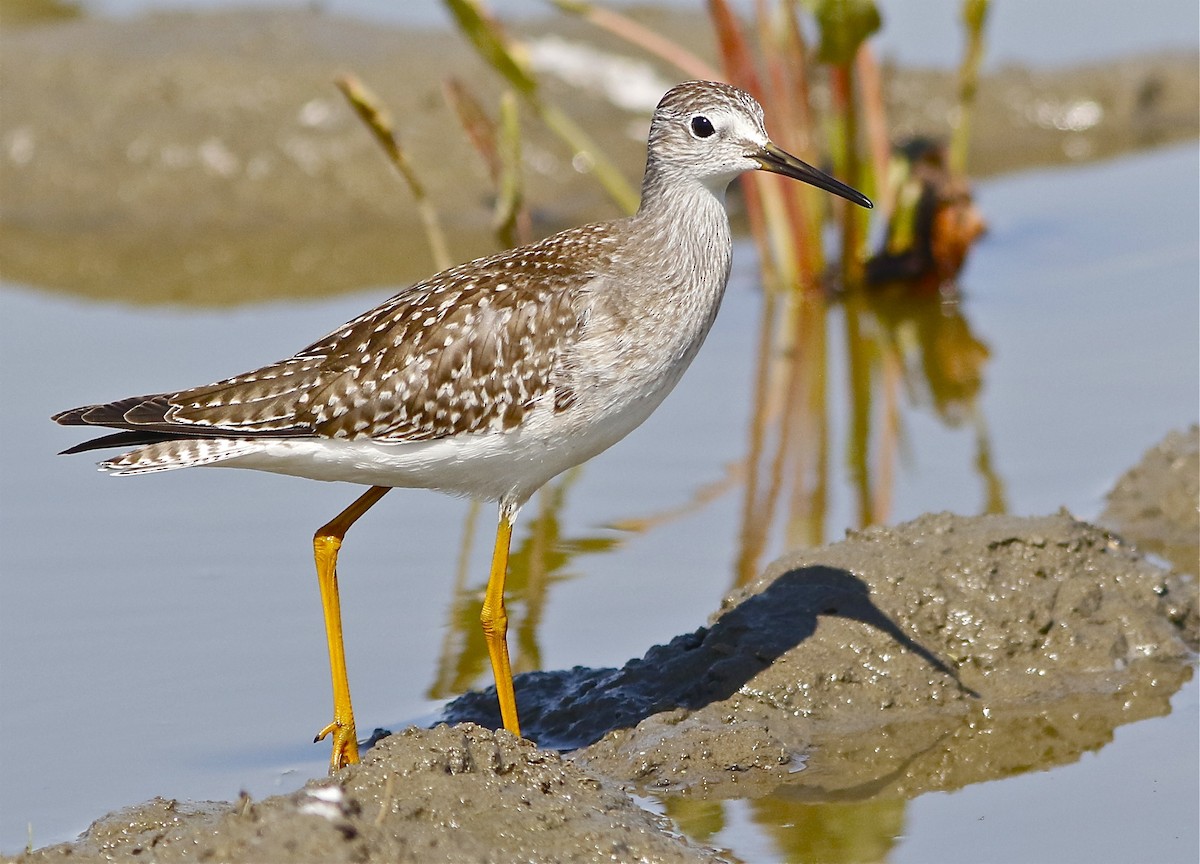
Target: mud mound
{"x": 461, "y": 794}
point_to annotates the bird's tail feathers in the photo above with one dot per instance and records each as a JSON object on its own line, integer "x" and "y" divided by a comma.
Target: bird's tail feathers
{"x": 179, "y": 453}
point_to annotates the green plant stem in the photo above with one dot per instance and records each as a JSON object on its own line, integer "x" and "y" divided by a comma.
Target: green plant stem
{"x": 606, "y": 174}
{"x": 974, "y": 18}
{"x": 842, "y": 86}
{"x": 376, "y": 118}
{"x": 507, "y": 58}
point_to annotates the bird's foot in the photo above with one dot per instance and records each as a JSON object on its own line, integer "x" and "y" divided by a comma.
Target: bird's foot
{"x": 345, "y": 744}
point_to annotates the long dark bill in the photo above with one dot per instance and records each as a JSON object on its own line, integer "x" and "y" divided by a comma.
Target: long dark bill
{"x": 777, "y": 161}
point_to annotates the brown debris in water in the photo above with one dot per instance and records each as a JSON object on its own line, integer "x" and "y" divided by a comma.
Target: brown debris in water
{"x": 932, "y": 221}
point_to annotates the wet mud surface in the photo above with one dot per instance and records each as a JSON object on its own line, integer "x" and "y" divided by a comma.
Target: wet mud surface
{"x": 444, "y": 794}
{"x": 942, "y": 652}
{"x": 1154, "y": 503}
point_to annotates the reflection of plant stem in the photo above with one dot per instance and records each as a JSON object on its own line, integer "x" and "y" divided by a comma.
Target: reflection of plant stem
{"x": 463, "y": 565}
{"x": 541, "y": 558}
{"x": 889, "y": 435}
{"x": 793, "y": 443}
{"x": 819, "y": 414}
{"x": 698, "y": 818}
{"x": 755, "y": 525}
{"x": 859, "y": 373}
{"x": 806, "y": 830}
{"x": 445, "y": 680}
{"x": 995, "y": 498}
{"x": 541, "y": 536}
{"x": 807, "y": 517}
{"x": 734, "y": 474}
{"x": 790, "y": 400}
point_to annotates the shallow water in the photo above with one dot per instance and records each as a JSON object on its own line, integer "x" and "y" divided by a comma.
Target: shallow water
{"x": 162, "y": 635}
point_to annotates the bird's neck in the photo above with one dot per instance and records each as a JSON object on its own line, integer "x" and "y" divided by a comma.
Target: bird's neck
{"x": 667, "y": 190}
{"x": 681, "y": 244}
{"x": 682, "y": 213}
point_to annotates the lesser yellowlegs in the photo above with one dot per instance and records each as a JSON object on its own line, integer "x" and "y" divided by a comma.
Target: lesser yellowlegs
{"x": 492, "y": 377}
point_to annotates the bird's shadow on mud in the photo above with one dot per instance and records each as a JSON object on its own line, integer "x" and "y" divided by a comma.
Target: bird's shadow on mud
{"x": 572, "y": 708}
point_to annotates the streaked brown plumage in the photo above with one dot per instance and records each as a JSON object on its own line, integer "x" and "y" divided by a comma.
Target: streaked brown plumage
{"x": 467, "y": 351}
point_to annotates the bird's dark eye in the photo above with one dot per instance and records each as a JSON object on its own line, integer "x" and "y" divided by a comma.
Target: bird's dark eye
{"x": 702, "y": 127}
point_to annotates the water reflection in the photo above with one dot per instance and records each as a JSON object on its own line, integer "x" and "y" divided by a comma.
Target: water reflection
{"x": 904, "y": 351}
{"x": 831, "y": 814}
{"x": 798, "y": 831}
{"x": 834, "y": 832}
{"x": 540, "y": 558}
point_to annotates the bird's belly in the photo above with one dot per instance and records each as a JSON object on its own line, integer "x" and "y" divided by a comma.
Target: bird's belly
{"x": 487, "y": 466}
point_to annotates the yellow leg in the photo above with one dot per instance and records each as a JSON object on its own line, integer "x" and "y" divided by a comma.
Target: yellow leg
{"x": 495, "y": 624}
{"x": 326, "y": 543}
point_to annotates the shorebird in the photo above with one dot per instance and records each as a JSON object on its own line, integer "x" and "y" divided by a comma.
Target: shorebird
{"x": 492, "y": 377}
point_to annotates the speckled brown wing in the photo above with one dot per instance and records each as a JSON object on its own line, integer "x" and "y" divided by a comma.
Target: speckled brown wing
{"x": 471, "y": 349}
